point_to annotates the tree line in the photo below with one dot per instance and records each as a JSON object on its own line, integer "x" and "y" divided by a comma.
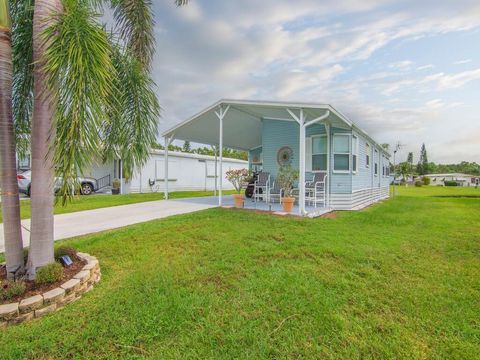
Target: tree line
{"x": 423, "y": 167}
{"x": 205, "y": 150}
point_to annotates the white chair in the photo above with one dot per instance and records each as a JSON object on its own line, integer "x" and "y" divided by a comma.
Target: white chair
{"x": 275, "y": 192}
{"x": 315, "y": 190}
{"x": 261, "y": 186}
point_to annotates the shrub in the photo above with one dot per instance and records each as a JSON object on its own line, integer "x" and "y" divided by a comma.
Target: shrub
{"x": 418, "y": 183}
{"x": 237, "y": 177}
{"x": 286, "y": 178}
{"x": 10, "y": 289}
{"x": 426, "y": 180}
{"x": 65, "y": 250}
{"x": 450, "y": 183}
{"x": 49, "y": 273}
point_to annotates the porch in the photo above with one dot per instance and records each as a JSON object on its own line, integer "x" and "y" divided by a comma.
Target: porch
{"x": 249, "y": 204}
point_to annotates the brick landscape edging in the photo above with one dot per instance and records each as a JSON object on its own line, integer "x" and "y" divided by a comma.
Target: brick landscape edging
{"x": 38, "y": 305}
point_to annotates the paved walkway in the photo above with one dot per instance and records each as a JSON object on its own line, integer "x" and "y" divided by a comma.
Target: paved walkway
{"x": 92, "y": 221}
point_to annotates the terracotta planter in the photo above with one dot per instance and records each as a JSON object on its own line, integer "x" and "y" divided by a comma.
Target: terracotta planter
{"x": 238, "y": 199}
{"x": 287, "y": 203}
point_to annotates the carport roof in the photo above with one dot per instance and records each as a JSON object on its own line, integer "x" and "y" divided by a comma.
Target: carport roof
{"x": 242, "y": 125}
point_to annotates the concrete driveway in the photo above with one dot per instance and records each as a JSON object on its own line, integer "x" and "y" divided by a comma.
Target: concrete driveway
{"x": 92, "y": 221}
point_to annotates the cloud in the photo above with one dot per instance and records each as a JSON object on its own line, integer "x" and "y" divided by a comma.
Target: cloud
{"x": 460, "y": 62}
{"x": 452, "y": 81}
{"x": 328, "y": 51}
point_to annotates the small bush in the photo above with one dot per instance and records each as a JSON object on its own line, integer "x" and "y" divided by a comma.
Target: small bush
{"x": 10, "y": 289}
{"x": 450, "y": 183}
{"x": 65, "y": 250}
{"x": 49, "y": 273}
{"x": 418, "y": 183}
{"x": 426, "y": 180}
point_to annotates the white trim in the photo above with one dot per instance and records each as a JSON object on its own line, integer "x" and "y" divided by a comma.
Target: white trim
{"x": 355, "y": 168}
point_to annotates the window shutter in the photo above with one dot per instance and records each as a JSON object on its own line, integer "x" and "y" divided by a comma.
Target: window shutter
{"x": 308, "y": 154}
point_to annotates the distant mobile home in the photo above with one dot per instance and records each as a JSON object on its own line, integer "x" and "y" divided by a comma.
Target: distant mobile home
{"x": 459, "y": 178}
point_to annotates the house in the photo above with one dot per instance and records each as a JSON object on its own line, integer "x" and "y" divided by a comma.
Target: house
{"x": 459, "y": 178}
{"x": 310, "y": 137}
{"x": 188, "y": 172}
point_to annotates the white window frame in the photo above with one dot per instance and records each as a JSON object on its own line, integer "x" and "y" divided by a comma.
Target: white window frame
{"x": 354, "y": 151}
{"x": 339, "y": 153}
{"x": 368, "y": 155}
{"x": 317, "y": 136}
{"x": 375, "y": 162}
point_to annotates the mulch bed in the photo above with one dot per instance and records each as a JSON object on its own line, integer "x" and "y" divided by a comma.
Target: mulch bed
{"x": 34, "y": 289}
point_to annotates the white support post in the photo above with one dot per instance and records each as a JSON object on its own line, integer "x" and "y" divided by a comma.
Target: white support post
{"x": 301, "y": 185}
{"x": 168, "y": 141}
{"x": 216, "y": 171}
{"x": 329, "y": 154}
{"x": 221, "y": 114}
{"x": 120, "y": 173}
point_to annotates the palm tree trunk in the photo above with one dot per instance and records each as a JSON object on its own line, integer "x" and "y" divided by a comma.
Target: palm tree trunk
{"x": 43, "y": 134}
{"x": 8, "y": 172}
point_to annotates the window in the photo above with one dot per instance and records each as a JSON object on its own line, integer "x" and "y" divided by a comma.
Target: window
{"x": 319, "y": 153}
{"x": 341, "y": 153}
{"x": 376, "y": 163}
{"x": 367, "y": 155}
{"x": 354, "y": 154}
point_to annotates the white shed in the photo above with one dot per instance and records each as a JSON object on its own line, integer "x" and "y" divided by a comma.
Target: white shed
{"x": 185, "y": 172}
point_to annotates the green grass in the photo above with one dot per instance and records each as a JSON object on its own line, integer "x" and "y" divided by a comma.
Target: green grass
{"x": 80, "y": 203}
{"x": 397, "y": 280}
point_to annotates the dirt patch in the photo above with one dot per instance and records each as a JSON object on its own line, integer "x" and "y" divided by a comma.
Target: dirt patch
{"x": 330, "y": 215}
{"x": 33, "y": 289}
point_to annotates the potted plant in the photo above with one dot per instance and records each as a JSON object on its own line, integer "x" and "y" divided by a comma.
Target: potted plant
{"x": 286, "y": 178}
{"x": 115, "y": 187}
{"x": 238, "y": 177}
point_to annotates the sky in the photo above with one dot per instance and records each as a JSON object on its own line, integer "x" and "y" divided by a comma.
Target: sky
{"x": 405, "y": 71}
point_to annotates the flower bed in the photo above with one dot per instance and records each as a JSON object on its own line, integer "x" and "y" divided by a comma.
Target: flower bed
{"x": 36, "y": 306}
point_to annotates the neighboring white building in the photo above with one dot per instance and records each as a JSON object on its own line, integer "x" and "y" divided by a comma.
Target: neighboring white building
{"x": 186, "y": 172}
{"x": 461, "y": 179}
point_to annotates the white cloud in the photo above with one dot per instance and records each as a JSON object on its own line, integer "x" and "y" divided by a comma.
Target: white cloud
{"x": 460, "y": 62}
{"x": 308, "y": 50}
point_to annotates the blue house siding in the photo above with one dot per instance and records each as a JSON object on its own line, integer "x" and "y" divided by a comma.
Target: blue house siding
{"x": 275, "y": 135}
{"x": 363, "y": 178}
{"x": 254, "y": 153}
{"x": 347, "y": 190}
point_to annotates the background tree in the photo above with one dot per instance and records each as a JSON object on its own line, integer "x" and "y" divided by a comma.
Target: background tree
{"x": 8, "y": 170}
{"x": 186, "y": 147}
{"x": 410, "y": 161}
{"x": 422, "y": 166}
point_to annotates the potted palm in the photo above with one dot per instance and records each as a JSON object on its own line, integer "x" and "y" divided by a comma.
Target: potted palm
{"x": 115, "y": 187}
{"x": 286, "y": 178}
{"x": 238, "y": 177}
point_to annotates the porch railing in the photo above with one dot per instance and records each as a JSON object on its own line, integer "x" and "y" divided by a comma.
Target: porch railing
{"x": 103, "y": 182}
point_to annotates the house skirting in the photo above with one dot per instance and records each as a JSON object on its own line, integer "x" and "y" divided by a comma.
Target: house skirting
{"x": 358, "y": 199}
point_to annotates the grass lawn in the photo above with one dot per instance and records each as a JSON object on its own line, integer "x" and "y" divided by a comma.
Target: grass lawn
{"x": 397, "y": 280}
{"x": 80, "y": 203}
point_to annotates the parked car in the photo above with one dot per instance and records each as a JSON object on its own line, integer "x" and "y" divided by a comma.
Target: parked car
{"x": 87, "y": 185}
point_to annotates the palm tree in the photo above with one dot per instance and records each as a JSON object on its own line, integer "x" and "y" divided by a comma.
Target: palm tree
{"x": 93, "y": 98}
{"x": 8, "y": 178}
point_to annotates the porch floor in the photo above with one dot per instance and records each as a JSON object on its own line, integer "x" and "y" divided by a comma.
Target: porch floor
{"x": 275, "y": 208}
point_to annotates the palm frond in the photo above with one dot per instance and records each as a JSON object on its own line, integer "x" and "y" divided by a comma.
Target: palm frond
{"x": 80, "y": 72}
{"x": 132, "y": 129}
{"x": 181, "y": 2}
{"x": 135, "y": 24}
{"x": 22, "y": 47}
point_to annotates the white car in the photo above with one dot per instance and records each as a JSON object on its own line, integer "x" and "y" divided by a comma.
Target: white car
{"x": 87, "y": 185}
